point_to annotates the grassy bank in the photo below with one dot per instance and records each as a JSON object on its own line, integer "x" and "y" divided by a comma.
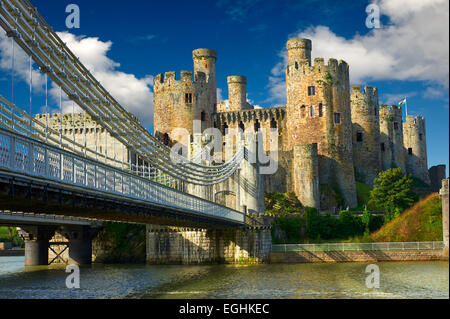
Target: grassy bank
{"x": 422, "y": 222}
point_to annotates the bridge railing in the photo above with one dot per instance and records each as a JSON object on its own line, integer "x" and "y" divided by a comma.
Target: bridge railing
{"x": 23, "y": 154}
{"x": 359, "y": 246}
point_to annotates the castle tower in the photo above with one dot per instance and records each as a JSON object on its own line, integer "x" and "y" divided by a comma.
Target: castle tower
{"x": 398, "y": 153}
{"x": 299, "y": 50}
{"x": 178, "y": 103}
{"x": 318, "y": 112}
{"x": 306, "y": 175}
{"x": 366, "y": 134}
{"x": 386, "y": 131}
{"x": 391, "y": 130}
{"x": 237, "y": 93}
{"x": 205, "y": 61}
{"x": 416, "y": 148}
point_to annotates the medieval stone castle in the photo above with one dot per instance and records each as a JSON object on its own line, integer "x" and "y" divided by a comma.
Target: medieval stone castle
{"x": 330, "y": 135}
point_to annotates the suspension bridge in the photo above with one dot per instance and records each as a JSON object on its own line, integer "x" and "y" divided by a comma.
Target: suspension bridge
{"x": 43, "y": 171}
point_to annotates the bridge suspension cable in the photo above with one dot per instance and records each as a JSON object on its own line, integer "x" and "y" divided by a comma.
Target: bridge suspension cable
{"x": 19, "y": 18}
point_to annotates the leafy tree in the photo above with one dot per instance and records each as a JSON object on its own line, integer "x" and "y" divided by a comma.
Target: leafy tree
{"x": 392, "y": 192}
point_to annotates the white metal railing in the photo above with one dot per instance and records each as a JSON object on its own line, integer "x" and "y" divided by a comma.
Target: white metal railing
{"x": 22, "y": 154}
{"x": 432, "y": 245}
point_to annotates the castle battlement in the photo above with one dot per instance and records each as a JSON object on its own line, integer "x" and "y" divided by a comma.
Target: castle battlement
{"x": 304, "y": 68}
{"x": 170, "y": 79}
{"x": 368, "y": 96}
{"x": 415, "y": 121}
{"x": 250, "y": 115}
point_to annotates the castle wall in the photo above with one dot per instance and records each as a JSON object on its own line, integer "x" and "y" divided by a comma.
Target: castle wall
{"x": 88, "y": 134}
{"x": 437, "y": 174}
{"x": 416, "y": 148}
{"x": 366, "y": 134}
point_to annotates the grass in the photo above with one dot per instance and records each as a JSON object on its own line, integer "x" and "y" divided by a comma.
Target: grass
{"x": 422, "y": 222}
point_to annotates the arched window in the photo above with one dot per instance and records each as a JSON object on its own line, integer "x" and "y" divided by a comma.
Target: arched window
{"x": 296, "y": 65}
{"x": 225, "y": 128}
{"x": 257, "y": 125}
{"x": 273, "y": 123}
{"x": 320, "y": 110}
{"x": 203, "y": 116}
{"x": 311, "y": 111}
{"x": 242, "y": 126}
{"x": 166, "y": 139}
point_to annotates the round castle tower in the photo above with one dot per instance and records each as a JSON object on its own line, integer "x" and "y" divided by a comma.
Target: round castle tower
{"x": 306, "y": 175}
{"x": 416, "y": 148}
{"x": 205, "y": 61}
{"x": 237, "y": 93}
{"x": 391, "y": 130}
{"x": 318, "y": 109}
{"x": 178, "y": 103}
{"x": 366, "y": 134}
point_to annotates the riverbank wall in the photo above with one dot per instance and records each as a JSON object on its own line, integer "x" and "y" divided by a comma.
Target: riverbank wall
{"x": 356, "y": 256}
{"x": 12, "y": 253}
{"x": 174, "y": 245}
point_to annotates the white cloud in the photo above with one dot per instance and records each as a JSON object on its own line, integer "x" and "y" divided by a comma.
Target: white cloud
{"x": 394, "y": 99}
{"x": 434, "y": 92}
{"x": 21, "y": 64}
{"x": 133, "y": 93}
{"x": 413, "y": 47}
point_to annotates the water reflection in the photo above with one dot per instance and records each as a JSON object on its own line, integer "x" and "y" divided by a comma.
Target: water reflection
{"x": 345, "y": 280}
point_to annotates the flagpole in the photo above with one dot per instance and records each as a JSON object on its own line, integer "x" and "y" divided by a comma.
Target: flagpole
{"x": 406, "y": 106}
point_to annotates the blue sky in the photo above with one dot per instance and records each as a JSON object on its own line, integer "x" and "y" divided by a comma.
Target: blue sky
{"x": 125, "y": 45}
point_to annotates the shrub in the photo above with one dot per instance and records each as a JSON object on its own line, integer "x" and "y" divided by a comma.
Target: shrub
{"x": 392, "y": 193}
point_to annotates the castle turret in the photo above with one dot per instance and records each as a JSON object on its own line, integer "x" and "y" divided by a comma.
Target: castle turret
{"x": 205, "y": 61}
{"x": 366, "y": 134}
{"x": 298, "y": 51}
{"x": 398, "y": 152}
{"x": 178, "y": 103}
{"x": 391, "y": 129}
{"x": 416, "y": 148}
{"x": 306, "y": 175}
{"x": 318, "y": 109}
{"x": 386, "y": 131}
{"x": 237, "y": 93}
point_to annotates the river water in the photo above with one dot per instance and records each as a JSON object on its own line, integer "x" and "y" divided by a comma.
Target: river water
{"x": 343, "y": 280}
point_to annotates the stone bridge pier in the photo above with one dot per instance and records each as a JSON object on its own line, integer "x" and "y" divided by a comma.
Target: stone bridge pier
{"x": 37, "y": 243}
{"x": 174, "y": 245}
{"x": 444, "y": 195}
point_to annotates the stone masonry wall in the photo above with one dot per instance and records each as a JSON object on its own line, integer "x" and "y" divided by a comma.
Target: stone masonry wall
{"x": 356, "y": 256}
{"x": 171, "y": 245}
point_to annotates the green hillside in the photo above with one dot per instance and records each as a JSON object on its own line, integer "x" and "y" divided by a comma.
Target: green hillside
{"x": 422, "y": 222}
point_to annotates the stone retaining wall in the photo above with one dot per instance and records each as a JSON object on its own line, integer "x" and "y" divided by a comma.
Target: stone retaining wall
{"x": 356, "y": 256}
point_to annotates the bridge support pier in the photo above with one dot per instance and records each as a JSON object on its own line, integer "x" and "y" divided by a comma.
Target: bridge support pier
{"x": 80, "y": 243}
{"x": 36, "y": 244}
{"x": 444, "y": 194}
{"x": 175, "y": 245}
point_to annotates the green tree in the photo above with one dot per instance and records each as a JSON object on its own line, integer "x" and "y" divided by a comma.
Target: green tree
{"x": 392, "y": 193}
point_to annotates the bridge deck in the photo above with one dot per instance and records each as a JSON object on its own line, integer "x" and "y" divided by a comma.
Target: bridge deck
{"x": 40, "y": 178}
